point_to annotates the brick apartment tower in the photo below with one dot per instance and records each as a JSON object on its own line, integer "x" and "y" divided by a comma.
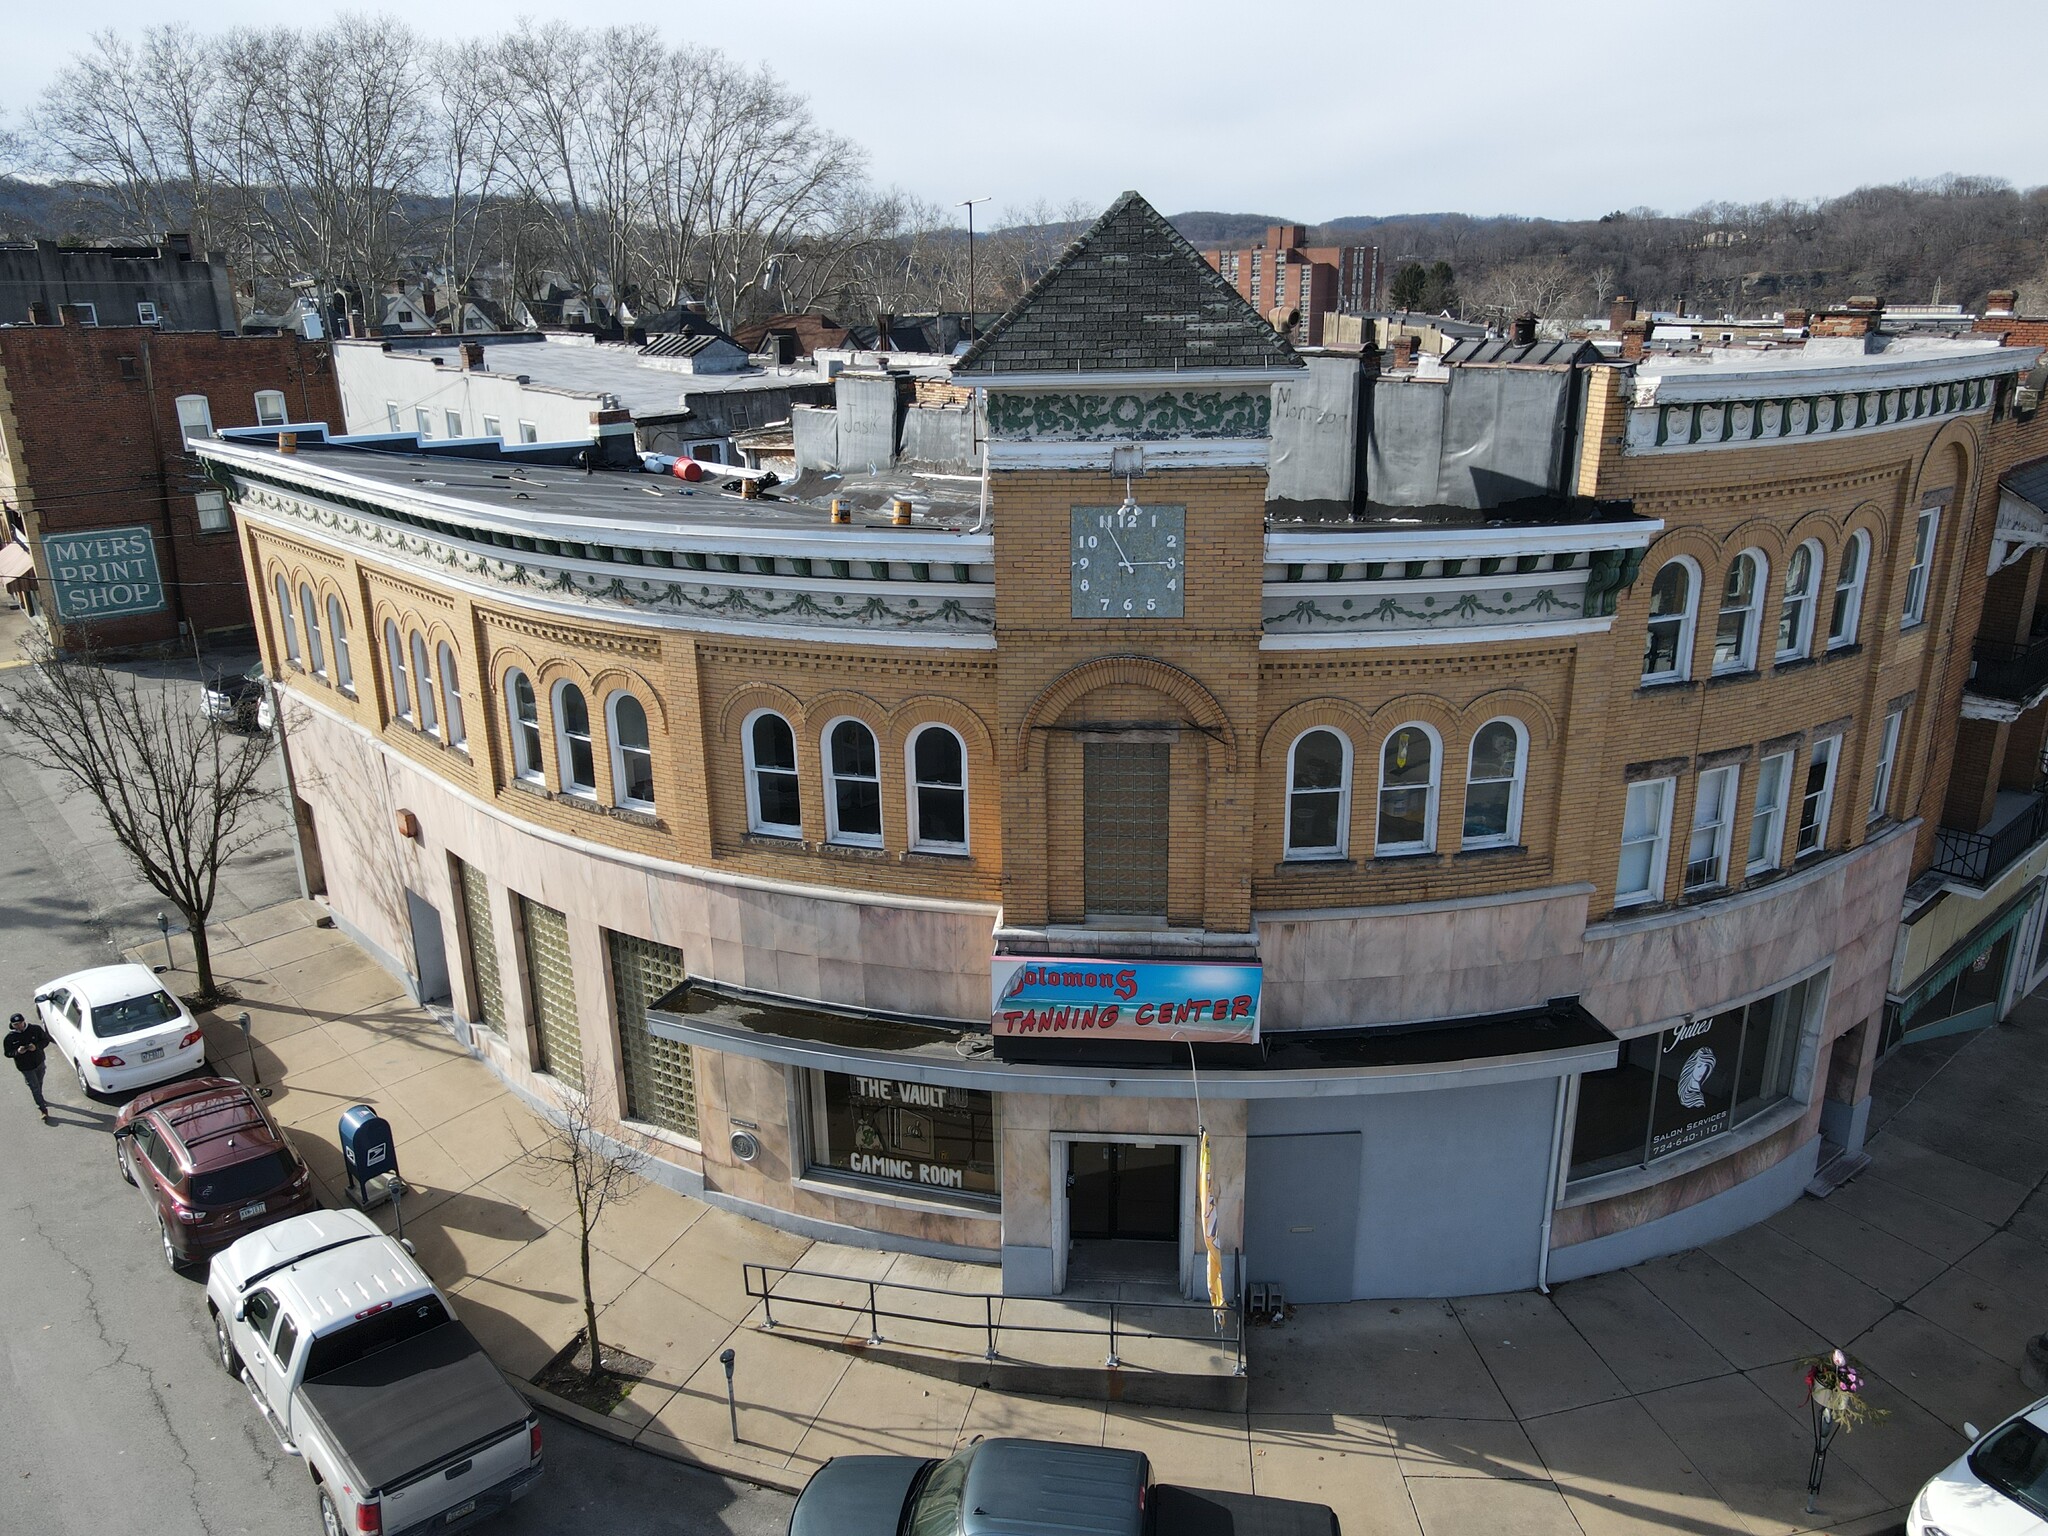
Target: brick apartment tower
{"x": 1284, "y": 275}
{"x": 114, "y": 537}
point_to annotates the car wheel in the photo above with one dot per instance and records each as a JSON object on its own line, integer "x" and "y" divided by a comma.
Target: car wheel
{"x": 84, "y": 1086}
{"x": 170, "y": 1254}
{"x": 224, "y": 1347}
{"x": 121, "y": 1160}
{"x": 330, "y": 1517}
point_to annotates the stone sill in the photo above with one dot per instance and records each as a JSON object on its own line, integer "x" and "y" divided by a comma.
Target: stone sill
{"x": 811, "y": 1182}
{"x": 588, "y": 804}
{"x": 1625, "y": 1181}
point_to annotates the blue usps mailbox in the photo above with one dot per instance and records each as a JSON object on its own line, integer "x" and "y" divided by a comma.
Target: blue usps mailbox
{"x": 369, "y": 1152}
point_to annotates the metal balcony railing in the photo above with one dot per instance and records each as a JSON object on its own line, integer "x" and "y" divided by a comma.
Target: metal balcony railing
{"x": 2009, "y": 672}
{"x": 1981, "y": 857}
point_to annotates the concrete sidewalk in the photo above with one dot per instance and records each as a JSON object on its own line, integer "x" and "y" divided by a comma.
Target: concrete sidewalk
{"x": 1656, "y": 1399}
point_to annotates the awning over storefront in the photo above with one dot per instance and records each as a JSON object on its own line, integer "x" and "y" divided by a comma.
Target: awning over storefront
{"x": 1982, "y": 938}
{"x": 1559, "y": 1039}
{"x": 17, "y": 566}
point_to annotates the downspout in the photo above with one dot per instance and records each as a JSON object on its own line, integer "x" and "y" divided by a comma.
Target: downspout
{"x": 163, "y": 485}
{"x": 1550, "y": 1187}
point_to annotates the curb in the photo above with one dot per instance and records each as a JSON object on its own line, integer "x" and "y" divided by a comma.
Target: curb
{"x": 704, "y": 1460}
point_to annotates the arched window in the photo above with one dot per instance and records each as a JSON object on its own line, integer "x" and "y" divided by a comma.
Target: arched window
{"x": 774, "y": 799}
{"x": 1795, "y": 612}
{"x": 451, "y": 697}
{"x": 1741, "y": 613}
{"x": 632, "y": 752}
{"x": 938, "y": 790}
{"x": 316, "y": 654}
{"x": 853, "y": 784}
{"x": 522, "y": 719}
{"x": 394, "y": 661}
{"x": 337, "y": 633}
{"x": 575, "y": 756}
{"x": 1848, "y": 609}
{"x": 1493, "y": 784}
{"x": 286, "y": 621}
{"x": 423, "y": 683}
{"x": 1667, "y": 649}
{"x": 1318, "y": 795}
{"x": 1408, "y": 784}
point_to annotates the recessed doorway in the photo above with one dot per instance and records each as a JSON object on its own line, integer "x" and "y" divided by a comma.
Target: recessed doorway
{"x": 1123, "y": 1211}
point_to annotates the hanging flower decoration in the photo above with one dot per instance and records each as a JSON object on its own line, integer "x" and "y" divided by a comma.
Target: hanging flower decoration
{"x": 1834, "y": 1382}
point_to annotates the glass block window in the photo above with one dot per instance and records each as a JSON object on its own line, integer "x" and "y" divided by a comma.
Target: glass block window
{"x": 661, "y": 1085}
{"x": 552, "y": 982}
{"x": 483, "y": 947}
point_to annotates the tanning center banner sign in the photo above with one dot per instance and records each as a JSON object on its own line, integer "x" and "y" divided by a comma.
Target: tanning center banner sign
{"x": 1124, "y": 999}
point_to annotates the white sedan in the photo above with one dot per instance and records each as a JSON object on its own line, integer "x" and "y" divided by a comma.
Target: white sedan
{"x": 1999, "y": 1487}
{"x": 120, "y": 1028}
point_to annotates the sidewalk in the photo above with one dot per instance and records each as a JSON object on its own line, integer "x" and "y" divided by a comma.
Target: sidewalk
{"x": 1660, "y": 1398}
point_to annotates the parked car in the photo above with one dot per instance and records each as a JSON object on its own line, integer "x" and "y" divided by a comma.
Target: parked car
{"x": 358, "y": 1362}
{"x": 120, "y": 1029}
{"x": 1032, "y": 1488}
{"x": 1998, "y": 1487}
{"x": 238, "y": 698}
{"x": 212, "y": 1163}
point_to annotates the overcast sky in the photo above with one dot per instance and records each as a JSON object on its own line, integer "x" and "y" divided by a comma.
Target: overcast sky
{"x": 1321, "y": 108}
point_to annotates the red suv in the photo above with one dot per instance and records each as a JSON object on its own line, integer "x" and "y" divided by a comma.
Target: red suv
{"x": 213, "y": 1163}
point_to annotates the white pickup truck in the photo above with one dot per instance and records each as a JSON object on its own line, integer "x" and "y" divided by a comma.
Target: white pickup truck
{"x": 357, "y": 1361}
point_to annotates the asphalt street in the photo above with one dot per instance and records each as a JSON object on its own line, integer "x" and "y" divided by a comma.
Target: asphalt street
{"x": 116, "y": 1416}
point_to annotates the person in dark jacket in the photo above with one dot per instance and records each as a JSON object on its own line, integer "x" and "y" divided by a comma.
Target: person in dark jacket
{"x": 24, "y": 1046}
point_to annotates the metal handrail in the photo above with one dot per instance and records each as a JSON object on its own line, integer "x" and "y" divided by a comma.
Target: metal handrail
{"x": 2000, "y": 670}
{"x": 988, "y": 1326}
{"x": 1980, "y": 857}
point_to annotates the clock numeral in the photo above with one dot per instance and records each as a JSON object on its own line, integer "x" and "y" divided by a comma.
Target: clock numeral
{"x": 1173, "y": 541}
{"x": 1084, "y": 586}
{"x": 1081, "y": 564}
{"x": 1151, "y": 605}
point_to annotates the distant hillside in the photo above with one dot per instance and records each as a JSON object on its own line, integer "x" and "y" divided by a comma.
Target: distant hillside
{"x": 1209, "y": 229}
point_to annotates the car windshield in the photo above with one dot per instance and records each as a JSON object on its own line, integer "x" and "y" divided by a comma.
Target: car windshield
{"x": 2015, "y": 1462}
{"x": 247, "y": 1180}
{"x": 380, "y": 1330}
{"x": 936, "y": 1509}
{"x": 132, "y": 1014}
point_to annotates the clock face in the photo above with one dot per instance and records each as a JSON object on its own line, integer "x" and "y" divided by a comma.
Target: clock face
{"x": 1129, "y": 562}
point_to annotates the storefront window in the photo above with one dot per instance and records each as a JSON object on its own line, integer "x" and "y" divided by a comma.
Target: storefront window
{"x": 1688, "y": 1084}
{"x": 915, "y": 1138}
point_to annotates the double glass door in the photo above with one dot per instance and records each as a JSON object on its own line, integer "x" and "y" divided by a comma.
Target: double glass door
{"x": 1119, "y": 1191}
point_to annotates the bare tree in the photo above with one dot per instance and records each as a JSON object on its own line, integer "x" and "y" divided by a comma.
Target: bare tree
{"x": 177, "y": 789}
{"x": 580, "y": 1147}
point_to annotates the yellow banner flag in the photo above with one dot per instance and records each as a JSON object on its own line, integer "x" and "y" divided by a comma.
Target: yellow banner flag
{"x": 1208, "y": 1194}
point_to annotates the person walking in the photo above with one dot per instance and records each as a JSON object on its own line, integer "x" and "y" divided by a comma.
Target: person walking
{"x": 24, "y": 1045}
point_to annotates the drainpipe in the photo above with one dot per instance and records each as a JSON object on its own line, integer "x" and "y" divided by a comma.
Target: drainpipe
{"x": 163, "y": 484}
{"x": 1550, "y": 1188}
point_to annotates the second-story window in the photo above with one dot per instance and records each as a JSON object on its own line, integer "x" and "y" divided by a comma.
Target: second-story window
{"x": 1713, "y": 821}
{"x": 337, "y": 634}
{"x": 1318, "y": 795}
{"x": 577, "y": 758}
{"x": 195, "y": 417}
{"x": 394, "y": 662}
{"x": 423, "y": 684}
{"x": 1848, "y": 608}
{"x": 522, "y": 718}
{"x": 1407, "y": 809}
{"x": 1741, "y": 613}
{"x": 1795, "y": 610}
{"x": 1817, "y": 800}
{"x": 1767, "y": 820}
{"x": 451, "y": 697}
{"x": 774, "y": 799}
{"x": 1667, "y": 649}
{"x": 1645, "y": 838}
{"x": 1493, "y": 785}
{"x": 1887, "y": 761}
{"x": 853, "y": 787}
{"x": 316, "y": 654}
{"x": 286, "y": 622}
{"x": 1923, "y": 563}
{"x": 270, "y": 408}
{"x": 938, "y": 790}
{"x": 632, "y": 753}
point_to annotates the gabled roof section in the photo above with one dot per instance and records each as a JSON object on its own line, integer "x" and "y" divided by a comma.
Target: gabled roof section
{"x": 1130, "y": 296}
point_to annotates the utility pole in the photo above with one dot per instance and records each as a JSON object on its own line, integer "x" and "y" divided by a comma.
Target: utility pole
{"x": 968, "y": 204}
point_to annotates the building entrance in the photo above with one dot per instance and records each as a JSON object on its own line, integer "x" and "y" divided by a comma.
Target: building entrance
{"x": 1123, "y": 1211}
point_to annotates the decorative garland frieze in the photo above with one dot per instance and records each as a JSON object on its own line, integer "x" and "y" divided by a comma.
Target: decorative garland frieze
{"x": 1656, "y": 426}
{"x": 1427, "y": 611}
{"x": 1132, "y": 416}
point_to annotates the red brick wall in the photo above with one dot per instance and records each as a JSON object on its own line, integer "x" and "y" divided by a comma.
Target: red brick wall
{"x": 93, "y": 442}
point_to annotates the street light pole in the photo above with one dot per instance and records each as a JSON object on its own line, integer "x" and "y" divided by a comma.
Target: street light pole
{"x": 968, "y": 204}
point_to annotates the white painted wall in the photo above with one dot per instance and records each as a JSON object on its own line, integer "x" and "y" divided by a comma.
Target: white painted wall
{"x": 372, "y": 379}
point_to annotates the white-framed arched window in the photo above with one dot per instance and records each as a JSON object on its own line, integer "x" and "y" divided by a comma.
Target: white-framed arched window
{"x": 316, "y": 653}
{"x": 625, "y": 723}
{"x": 774, "y": 794}
{"x": 1742, "y": 612}
{"x": 1795, "y": 608}
{"x": 1318, "y": 795}
{"x": 936, "y": 758}
{"x": 853, "y": 784}
{"x": 270, "y": 408}
{"x": 1847, "y": 613}
{"x": 1409, "y": 760}
{"x": 1495, "y": 771}
{"x": 1674, "y": 597}
{"x": 451, "y": 697}
{"x": 522, "y": 723}
{"x": 576, "y": 756}
{"x": 394, "y": 662}
{"x": 423, "y": 684}
{"x": 337, "y": 635}
{"x": 285, "y": 619}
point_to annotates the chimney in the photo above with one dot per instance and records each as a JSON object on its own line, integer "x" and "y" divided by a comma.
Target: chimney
{"x": 1633, "y": 337}
{"x": 1620, "y": 311}
{"x": 179, "y": 244}
{"x": 1797, "y": 319}
{"x": 1525, "y": 329}
{"x": 38, "y": 312}
{"x": 472, "y": 355}
{"x": 1404, "y": 353}
{"x": 614, "y": 447}
{"x": 2002, "y": 301}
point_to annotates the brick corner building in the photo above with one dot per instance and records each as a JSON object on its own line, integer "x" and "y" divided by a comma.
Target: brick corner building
{"x": 112, "y": 527}
{"x": 1318, "y": 280}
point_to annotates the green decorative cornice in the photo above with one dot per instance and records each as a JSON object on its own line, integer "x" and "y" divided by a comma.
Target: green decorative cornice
{"x": 1465, "y": 607}
{"x": 1080, "y": 416}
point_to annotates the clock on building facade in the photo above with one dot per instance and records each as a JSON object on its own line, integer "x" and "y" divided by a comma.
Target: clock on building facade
{"x": 1129, "y": 562}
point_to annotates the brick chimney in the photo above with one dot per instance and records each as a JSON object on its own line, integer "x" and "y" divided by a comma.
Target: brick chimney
{"x": 1620, "y": 311}
{"x": 1404, "y": 353}
{"x": 472, "y": 355}
{"x": 1634, "y": 335}
{"x": 1797, "y": 319}
{"x": 1524, "y": 329}
{"x": 38, "y": 312}
{"x": 613, "y": 447}
{"x": 2002, "y": 302}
